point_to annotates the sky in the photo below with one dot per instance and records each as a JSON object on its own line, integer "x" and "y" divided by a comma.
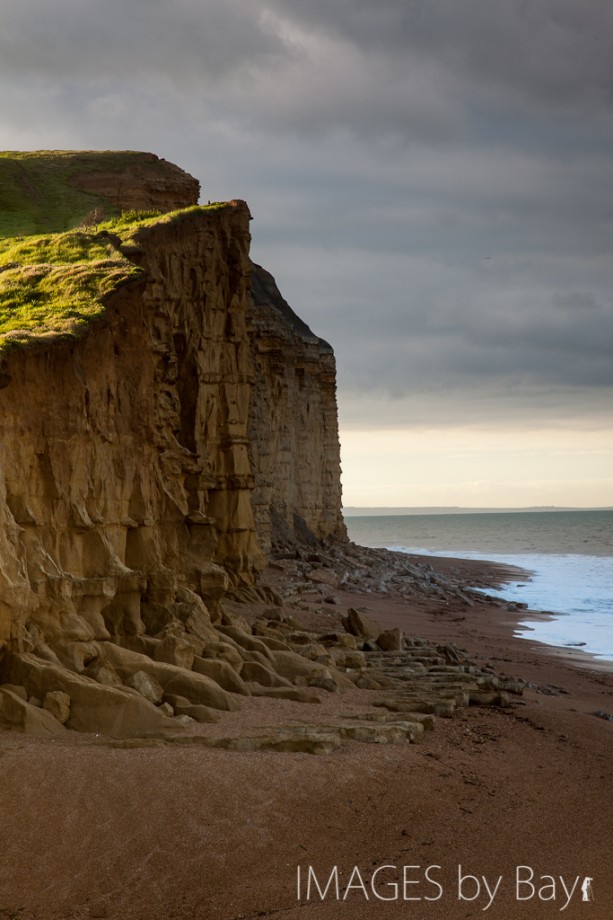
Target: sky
{"x": 432, "y": 187}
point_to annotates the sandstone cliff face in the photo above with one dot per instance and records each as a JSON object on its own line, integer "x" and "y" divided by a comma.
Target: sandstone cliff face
{"x": 146, "y": 467}
{"x": 126, "y": 453}
{"x": 293, "y": 427}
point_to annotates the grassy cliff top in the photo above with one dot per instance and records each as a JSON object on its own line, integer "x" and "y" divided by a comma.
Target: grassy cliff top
{"x": 67, "y": 219}
{"x": 53, "y": 285}
{"x": 68, "y": 222}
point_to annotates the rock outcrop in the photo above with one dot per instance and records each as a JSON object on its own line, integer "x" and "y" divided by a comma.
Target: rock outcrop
{"x": 293, "y": 426}
{"x": 141, "y": 182}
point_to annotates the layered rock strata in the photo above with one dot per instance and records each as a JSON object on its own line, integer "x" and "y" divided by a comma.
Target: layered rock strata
{"x": 124, "y": 455}
{"x": 293, "y": 426}
{"x": 134, "y": 181}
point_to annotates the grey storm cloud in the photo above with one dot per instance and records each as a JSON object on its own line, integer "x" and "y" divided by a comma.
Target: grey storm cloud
{"x": 430, "y": 179}
{"x": 183, "y": 40}
{"x": 420, "y": 68}
{"x": 487, "y": 341}
{"x": 553, "y": 50}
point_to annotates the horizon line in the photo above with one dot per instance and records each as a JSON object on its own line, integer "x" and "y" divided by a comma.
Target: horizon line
{"x": 465, "y": 509}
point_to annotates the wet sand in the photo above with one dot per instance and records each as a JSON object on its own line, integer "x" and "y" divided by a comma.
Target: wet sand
{"x": 180, "y": 833}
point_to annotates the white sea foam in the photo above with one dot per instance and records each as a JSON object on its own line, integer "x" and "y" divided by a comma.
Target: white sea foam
{"x": 576, "y": 587}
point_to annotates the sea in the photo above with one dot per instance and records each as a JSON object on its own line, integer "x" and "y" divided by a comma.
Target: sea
{"x": 567, "y": 555}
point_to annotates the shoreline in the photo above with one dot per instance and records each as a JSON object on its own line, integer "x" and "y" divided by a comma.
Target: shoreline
{"x": 496, "y": 575}
{"x": 501, "y": 574}
{"x": 190, "y": 833}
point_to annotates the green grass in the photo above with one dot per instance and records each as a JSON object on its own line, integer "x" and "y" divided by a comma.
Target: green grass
{"x": 129, "y": 225}
{"x": 61, "y": 247}
{"x": 53, "y": 285}
{"x": 130, "y": 221}
{"x": 56, "y": 248}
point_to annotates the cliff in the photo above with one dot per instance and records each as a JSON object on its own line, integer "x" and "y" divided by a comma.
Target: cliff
{"x": 152, "y": 448}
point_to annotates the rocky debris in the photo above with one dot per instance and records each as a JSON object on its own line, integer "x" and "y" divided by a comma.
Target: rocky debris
{"x": 547, "y": 689}
{"x": 222, "y": 673}
{"x": 360, "y": 625}
{"x": 391, "y": 640}
{"x": 177, "y": 650}
{"x": 198, "y": 666}
{"x": 58, "y": 704}
{"x": 416, "y": 718}
{"x": 386, "y": 733}
{"x": 103, "y": 673}
{"x": 146, "y": 685}
{"x": 181, "y": 706}
{"x": 419, "y": 681}
{"x": 308, "y": 739}
{"x": 198, "y": 688}
{"x": 117, "y": 711}
{"x": 17, "y": 714}
{"x": 601, "y": 714}
{"x": 365, "y": 570}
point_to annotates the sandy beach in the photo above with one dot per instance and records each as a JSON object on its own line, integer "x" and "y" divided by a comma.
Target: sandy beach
{"x": 518, "y": 797}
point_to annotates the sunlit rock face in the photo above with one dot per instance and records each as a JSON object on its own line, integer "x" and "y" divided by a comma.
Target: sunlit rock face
{"x": 125, "y": 453}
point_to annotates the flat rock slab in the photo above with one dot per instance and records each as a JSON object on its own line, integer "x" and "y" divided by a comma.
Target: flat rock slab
{"x": 287, "y": 740}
